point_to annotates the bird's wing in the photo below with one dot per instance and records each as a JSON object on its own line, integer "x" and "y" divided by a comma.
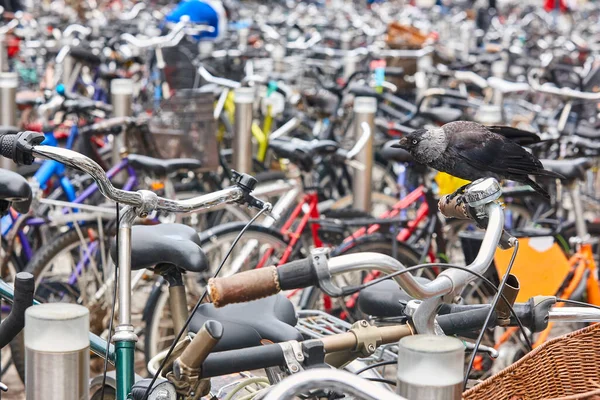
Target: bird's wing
{"x": 494, "y": 153}
{"x": 520, "y": 136}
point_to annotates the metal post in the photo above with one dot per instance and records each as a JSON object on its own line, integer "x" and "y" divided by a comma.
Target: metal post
{"x": 430, "y": 367}
{"x": 242, "y": 141}
{"x": 243, "y": 38}
{"x": 350, "y": 63}
{"x": 8, "y": 107}
{"x": 57, "y": 352}
{"x": 3, "y": 55}
{"x": 346, "y": 39}
{"x": 67, "y": 69}
{"x": 278, "y": 55}
{"x": 424, "y": 63}
{"x": 364, "y": 112}
{"x": 121, "y": 91}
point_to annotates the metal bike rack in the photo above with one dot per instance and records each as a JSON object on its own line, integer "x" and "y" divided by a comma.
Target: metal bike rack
{"x": 430, "y": 367}
{"x": 121, "y": 91}
{"x": 3, "y": 54}
{"x": 242, "y": 141}
{"x": 68, "y": 65}
{"x": 57, "y": 352}
{"x": 364, "y": 111}
{"x": 8, "y": 107}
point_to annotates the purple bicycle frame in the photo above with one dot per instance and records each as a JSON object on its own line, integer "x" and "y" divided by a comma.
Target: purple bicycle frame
{"x": 35, "y": 222}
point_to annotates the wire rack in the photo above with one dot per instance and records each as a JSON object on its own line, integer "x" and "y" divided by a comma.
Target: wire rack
{"x": 185, "y": 127}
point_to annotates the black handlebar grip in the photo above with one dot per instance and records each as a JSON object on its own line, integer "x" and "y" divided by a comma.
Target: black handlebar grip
{"x": 18, "y": 147}
{"x": 465, "y": 321}
{"x": 23, "y": 298}
{"x": 250, "y": 358}
{"x": 297, "y": 275}
{"x": 8, "y": 146}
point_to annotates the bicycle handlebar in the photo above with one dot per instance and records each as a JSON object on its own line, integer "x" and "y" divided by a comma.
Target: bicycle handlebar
{"x": 23, "y": 147}
{"x": 133, "y": 13}
{"x": 318, "y": 270}
{"x": 76, "y": 28}
{"x": 23, "y": 298}
{"x": 564, "y": 92}
{"x": 171, "y": 39}
{"x": 332, "y": 379}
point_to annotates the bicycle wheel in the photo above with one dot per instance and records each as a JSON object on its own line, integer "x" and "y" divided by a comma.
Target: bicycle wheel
{"x": 313, "y": 299}
{"x": 75, "y": 267}
{"x": 13, "y": 266}
{"x": 256, "y": 244}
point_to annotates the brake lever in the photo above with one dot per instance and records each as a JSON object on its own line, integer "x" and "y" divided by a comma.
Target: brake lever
{"x": 247, "y": 183}
{"x": 506, "y": 240}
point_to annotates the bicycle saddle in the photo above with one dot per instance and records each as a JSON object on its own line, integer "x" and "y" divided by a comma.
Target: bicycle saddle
{"x": 14, "y": 189}
{"x": 271, "y": 319}
{"x": 322, "y": 103}
{"x": 391, "y": 153}
{"x": 174, "y": 244}
{"x": 365, "y": 91}
{"x": 160, "y": 167}
{"x": 302, "y": 152}
{"x": 385, "y": 299}
{"x": 587, "y": 130}
{"x": 85, "y": 55}
{"x": 442, "y": 114}
{"x": 570, "y": 169}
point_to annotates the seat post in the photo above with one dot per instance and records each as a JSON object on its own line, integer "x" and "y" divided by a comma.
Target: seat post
{"x": 177, "y": 295}
{"x": 580, "y": 224}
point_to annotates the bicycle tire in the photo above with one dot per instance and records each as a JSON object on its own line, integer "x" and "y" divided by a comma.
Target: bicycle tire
{"x": 15, "y": 265}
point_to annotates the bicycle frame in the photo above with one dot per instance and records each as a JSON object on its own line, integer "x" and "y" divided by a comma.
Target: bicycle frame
{"x": 311, "y": 201}
{"x": 10, "y": 221}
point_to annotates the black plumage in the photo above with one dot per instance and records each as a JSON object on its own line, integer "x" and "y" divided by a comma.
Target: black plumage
{"x": 470, "y": 151}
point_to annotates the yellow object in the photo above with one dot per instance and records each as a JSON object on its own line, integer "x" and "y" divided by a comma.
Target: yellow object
{"x": 541, "y": 266}
{"x": 448, "y": 183}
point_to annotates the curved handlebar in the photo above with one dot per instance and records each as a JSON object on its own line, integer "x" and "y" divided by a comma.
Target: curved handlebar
{"x": 76, "y": 28}
{"x": 133, "y": 13}
{"x": 10, "y": 26}
{"x": 332, "y": 379}
{"x": 318, "y": 270}
{"x": 565, "y": 92}
{"x": 171, "y": 39}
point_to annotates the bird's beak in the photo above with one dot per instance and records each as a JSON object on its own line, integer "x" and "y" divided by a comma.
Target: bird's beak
{"x": 402, "y": 144}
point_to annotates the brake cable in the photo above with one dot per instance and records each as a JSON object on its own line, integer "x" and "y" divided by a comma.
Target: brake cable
{"x": 112, "y": 312}
{"x": 353, "y": 289}
{"x": 189, "y": 319}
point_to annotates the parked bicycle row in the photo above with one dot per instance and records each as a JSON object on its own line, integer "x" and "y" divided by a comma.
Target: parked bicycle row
{"x": 315, "y": 200}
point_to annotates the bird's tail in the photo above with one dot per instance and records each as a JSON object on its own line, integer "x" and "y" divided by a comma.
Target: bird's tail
{"x": 538, "y": 188}
{"x": 550, "y": 174}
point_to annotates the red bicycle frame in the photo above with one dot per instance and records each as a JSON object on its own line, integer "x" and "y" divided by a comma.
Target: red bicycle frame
{"x": 311, "y": 200}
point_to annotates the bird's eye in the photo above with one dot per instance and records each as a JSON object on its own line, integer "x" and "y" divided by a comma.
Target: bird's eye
{"x": 415, "y": 141}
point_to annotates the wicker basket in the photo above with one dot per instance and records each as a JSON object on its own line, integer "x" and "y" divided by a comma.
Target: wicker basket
{"x": 185, "y": 127}
{"x": 564, "y": 368}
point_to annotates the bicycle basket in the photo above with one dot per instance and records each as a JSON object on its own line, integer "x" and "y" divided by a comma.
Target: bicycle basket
{"x": 185, "y": 127}
{"x": 566, "y": 367}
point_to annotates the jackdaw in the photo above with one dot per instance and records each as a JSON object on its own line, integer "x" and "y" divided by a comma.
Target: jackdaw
{"x": 470, "y": 151}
